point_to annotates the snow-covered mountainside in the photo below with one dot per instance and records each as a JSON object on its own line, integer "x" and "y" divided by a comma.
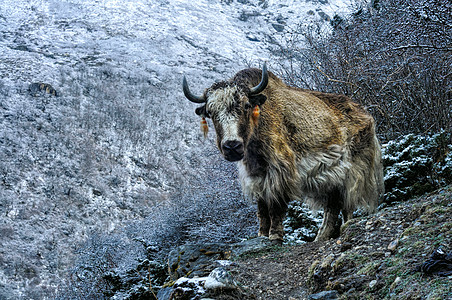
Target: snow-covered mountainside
{"x": 119, "y": 147}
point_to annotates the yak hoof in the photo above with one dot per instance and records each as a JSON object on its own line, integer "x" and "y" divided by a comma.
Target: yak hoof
{"x": 276, "y": 239}
{"x": 321, "y": 238}
{"x": 324, "y": 237}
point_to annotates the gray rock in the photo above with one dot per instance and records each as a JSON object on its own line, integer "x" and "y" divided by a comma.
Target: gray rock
{"x": 324, "y": 16}
{"x": 196, "y": 259}
{"x": 278, "y": 27}
{"x": 372, "y": 284}
{"x": 210, "y": 261}
{"x": 324, "y": 295}
{"x": 164, "y": 294}
{"x": 251, "y": 246}
{"x": 220, "y": 278}
{"x": 393, "y": 245}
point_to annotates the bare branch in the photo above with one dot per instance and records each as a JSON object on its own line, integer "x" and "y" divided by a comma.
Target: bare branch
{"x": 422, "y": 46}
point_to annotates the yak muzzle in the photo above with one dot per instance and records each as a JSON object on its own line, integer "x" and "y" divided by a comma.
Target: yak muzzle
{"x": 233, "y": 150}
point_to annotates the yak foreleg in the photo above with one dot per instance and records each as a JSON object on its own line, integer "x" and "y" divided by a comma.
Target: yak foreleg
{"x": 264, "y": 218}
{"x": 277, "y": 213}
{"x": 330, "y": 225}
{"x": 347, "y": 215}
{"x": 271, "y": 220}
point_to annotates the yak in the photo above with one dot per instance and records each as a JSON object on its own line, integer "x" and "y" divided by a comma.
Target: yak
{"x": 294, "y": 144}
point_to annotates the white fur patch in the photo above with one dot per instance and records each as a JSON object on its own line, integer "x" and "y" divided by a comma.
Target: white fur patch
{"x": 323, "y": 170}
{"x": 218, "y": 104}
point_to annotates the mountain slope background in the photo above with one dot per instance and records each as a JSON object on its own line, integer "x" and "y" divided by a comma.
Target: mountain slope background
{"x": 116, "y": 158}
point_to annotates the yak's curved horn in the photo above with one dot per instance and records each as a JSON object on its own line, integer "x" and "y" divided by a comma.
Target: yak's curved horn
{"x": 264, "y": 81}
{"x": 189, "y": 95}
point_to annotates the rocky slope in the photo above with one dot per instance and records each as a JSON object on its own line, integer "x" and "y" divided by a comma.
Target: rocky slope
{"x": 383, "y": 256}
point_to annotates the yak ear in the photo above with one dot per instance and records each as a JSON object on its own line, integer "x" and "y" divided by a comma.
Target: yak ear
{"x": 258, "y": 99}
{"x": 202, "y": 111}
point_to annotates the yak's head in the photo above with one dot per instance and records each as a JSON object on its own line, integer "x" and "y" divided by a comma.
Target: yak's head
{"x": 234, "y": 107}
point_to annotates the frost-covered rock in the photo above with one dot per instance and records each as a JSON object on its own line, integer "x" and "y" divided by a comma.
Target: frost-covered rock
{"x": 188, "y": 288}
{"x": 196, "y": 259}
{"x": 218, "y": 282}
{"x": 220, "y": 278}
{"x": 197, "y": 270}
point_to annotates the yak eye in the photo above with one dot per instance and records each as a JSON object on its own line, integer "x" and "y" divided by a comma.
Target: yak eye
{"x": 248, "y": 105}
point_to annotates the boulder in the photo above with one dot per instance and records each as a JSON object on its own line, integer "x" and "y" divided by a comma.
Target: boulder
{"x": 196, "y": 260}
{"x": 219, "y": 282}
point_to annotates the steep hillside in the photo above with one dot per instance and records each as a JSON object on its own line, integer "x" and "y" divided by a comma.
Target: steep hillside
{"x": 114, "y": 155}
{"x": 401, "y": 252}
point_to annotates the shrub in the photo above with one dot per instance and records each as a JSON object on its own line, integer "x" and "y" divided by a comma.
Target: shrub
{"x": 394, "y": 57}
{"x": 416, "y": 164}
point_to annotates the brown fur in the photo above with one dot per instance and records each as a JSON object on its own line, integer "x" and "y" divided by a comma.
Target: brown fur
{"x": 305, "y": 144}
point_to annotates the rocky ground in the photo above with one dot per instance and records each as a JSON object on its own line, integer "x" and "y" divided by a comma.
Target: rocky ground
{"x": 375, "y": 257}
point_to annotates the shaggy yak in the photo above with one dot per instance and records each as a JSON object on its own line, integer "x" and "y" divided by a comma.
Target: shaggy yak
{"x": 291, "y": 143}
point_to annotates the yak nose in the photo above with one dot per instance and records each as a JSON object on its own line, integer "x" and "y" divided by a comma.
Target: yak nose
{"x": 233, "y": 150}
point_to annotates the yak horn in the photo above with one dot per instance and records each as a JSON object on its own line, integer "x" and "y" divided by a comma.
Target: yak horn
{"x": 264, "y": 81}
{"x": 189, "y": 95}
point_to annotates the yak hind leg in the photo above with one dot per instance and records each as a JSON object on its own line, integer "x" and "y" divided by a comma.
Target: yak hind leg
{"x": 331, "y": 223}
{"x": 347, "y": 215}
{"x": 277, "y": 213}
{"x": 264, "y": 218}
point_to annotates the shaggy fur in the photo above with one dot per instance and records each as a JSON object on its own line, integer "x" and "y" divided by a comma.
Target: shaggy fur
{"x": 305, "y": 145}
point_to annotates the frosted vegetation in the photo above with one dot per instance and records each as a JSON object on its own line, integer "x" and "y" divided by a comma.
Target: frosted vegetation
{"x": 97, "y": 183}
{"x": 417, "y": 164}
{"x": 392, "y": 56}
